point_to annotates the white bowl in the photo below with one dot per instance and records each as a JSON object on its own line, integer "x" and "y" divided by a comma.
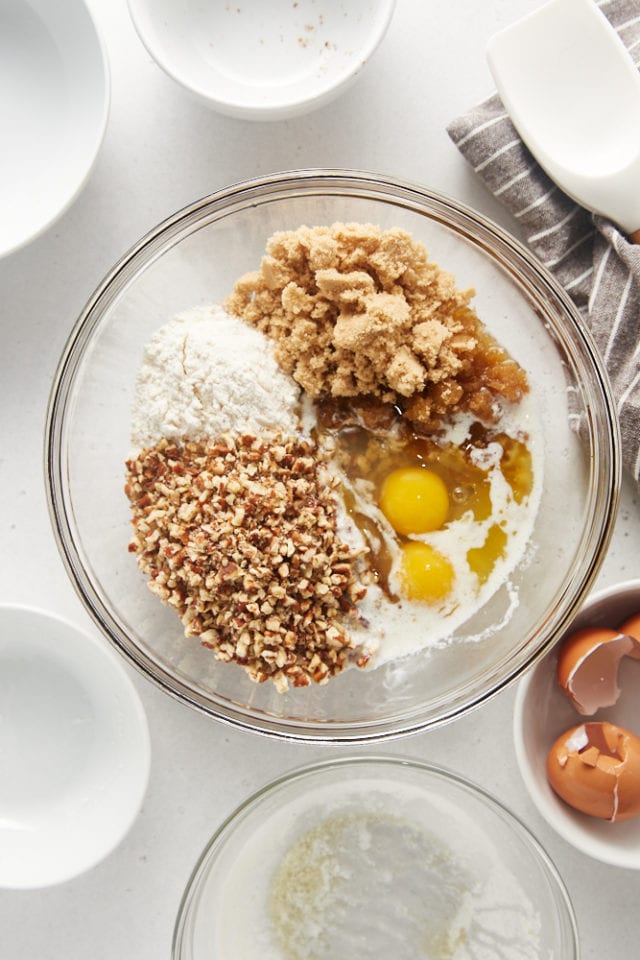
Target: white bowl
{"x": 262, "y": 60}
{"x": 543, "y": 712}
{"x": 54, "y": 102}
{"x": 74, "y": 745}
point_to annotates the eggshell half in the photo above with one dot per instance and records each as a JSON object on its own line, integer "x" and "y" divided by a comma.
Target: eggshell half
{"x": 595, "y": 768}
{"x": 588, "y": 666}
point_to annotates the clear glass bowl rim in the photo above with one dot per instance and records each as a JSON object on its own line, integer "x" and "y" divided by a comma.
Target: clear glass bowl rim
{"x": 605, "y": 467}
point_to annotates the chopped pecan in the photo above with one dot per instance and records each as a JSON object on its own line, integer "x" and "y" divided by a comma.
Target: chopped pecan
{"x": 240, "y": 536}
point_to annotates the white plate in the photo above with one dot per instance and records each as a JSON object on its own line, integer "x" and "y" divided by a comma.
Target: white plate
{"x": 262, "y": 59}
{"x": 54, "y": 102}
{"x": 74, "y": 749}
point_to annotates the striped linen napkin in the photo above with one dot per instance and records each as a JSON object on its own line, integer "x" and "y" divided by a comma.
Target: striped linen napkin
{"x": 589, "y": 256}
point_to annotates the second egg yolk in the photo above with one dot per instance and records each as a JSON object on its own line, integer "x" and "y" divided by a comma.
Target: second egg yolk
{"x": 425, "y": 573}
{"x": 414, "y": 500}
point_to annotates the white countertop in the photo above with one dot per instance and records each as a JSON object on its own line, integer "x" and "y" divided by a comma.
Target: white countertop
{"x": 161, "y": 152}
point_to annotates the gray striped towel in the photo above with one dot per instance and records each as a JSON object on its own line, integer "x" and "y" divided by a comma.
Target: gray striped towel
{"x": 594, "y": 262}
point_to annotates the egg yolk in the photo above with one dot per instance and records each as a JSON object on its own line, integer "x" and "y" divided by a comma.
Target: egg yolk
{"x": 425, "y": 573}
{"x": 414, "y": 500}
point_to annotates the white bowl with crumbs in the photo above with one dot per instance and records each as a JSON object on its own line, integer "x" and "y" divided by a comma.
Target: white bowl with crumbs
{"x": 263, "y": 61}
{"x": 333, "y": 403}
{"x": 374, "y": 857}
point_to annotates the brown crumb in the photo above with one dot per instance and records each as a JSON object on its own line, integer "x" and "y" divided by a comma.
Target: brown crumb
{"x": 239, "y": 536}
{"x": 358, "y": 311}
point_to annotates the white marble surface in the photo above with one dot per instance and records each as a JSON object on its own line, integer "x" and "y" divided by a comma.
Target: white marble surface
{"x": 161, "y": 152}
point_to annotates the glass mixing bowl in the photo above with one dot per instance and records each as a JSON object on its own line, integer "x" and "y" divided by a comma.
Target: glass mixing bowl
{"x": 374, "y": 857}
{"x": 195, "y": 257}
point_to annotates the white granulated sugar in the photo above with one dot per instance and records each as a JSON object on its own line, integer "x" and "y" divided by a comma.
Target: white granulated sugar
{"x": 205, "y": 373}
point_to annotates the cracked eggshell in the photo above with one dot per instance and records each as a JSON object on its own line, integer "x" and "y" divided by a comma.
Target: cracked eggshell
{"x": 595, "y": 768}
{"x": 542, "y": 710}
{"x": 588, "y": 666}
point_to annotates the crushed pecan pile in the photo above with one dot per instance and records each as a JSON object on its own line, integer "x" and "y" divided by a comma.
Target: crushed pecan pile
{"x": 239, "y": 535}
{"x": 360, "y": 311}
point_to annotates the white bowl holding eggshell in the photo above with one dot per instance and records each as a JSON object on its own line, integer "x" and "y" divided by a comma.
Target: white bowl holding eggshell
{"x": 262, "y": 61}
{"x": 74, "y": 745}
{"x": 54, "y": 103}
{"x": 544, "y": 712}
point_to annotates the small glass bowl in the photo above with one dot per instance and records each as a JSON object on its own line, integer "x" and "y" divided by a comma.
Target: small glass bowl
{"x": 194, "y": 257}
{"x": 370, "y": 857}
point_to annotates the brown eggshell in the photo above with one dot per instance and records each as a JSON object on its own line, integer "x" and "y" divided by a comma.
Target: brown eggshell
{"x": 632, "y": 628}
{"x": 588, "y": 666}
{"x": 595, "y": 768}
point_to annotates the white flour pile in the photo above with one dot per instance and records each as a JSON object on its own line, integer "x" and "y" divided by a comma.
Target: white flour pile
{"x": 205, "y": 373}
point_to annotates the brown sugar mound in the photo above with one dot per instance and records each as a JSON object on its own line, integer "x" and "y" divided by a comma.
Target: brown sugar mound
{"x": 239, "y": 536}
{"x": 359, "y": 311}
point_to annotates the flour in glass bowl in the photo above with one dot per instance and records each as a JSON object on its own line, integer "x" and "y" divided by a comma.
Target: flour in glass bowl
{"x": 205, "y": 373}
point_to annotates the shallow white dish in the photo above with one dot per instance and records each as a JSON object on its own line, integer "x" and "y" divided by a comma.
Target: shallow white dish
{"x": 54, "y": 103}
{"x": 543, "y": 712}
{"x": 74, "y": 745}
{"x": 262, "y": 60}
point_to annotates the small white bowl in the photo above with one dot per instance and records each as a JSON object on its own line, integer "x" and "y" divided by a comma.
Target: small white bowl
{"x": 543, "y": 712}
{"x": 54, "y": 103}
{"x": 262, "y": 60}
{"x": 74, "y": 749}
